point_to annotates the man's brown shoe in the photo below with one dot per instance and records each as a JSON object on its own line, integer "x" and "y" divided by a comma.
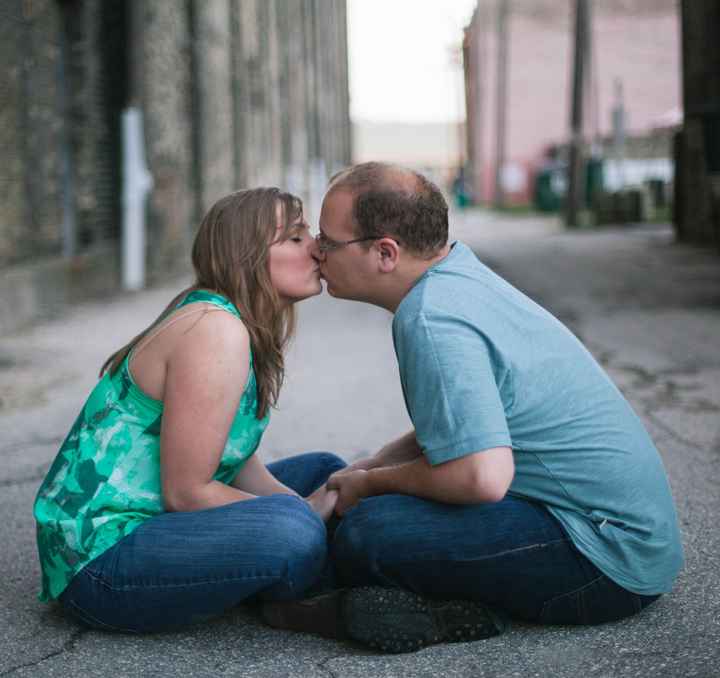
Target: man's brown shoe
{"x": 389, "y": 619}
{"x": 321, "y": 615}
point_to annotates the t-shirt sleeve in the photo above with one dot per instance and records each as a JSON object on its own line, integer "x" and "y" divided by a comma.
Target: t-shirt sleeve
{"x": 451, "y": 391}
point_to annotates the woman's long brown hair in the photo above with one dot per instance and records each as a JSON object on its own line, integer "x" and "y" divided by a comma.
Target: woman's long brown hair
{"x": 230, "y": 256}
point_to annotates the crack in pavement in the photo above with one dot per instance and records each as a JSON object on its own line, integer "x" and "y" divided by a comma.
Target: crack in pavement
{"x": 33, "y": 442}
{"x": 38, "y": 475}
{"x": 670, "y": 431}
{"x": 322, "y": 665}
{"x": 666, "y": 392}
{"x": 67, "y": 646}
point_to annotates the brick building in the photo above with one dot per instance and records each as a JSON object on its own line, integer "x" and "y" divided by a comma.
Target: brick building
{"x": 233, "y": 93}
{"x": 633, "y": 42}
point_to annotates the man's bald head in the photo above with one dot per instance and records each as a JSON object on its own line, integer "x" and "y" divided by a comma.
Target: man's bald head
{"x": 398, "y": 202}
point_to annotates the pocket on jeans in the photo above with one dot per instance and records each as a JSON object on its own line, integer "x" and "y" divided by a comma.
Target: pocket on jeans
{"x": 599, "y": 601}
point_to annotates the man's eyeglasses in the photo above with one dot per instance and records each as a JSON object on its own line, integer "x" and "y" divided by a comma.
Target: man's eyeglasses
{"x": 326, "y": 244}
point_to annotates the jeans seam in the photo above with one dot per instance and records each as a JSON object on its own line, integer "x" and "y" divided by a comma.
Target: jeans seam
{"x": 133, "y": 587}
{"x": 91, "y": 619}
{"x": 574, "y": 592}
{"x": 499, "y": 554}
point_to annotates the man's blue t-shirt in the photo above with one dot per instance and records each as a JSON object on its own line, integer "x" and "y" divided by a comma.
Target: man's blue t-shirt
{"x": 484, "y": 366}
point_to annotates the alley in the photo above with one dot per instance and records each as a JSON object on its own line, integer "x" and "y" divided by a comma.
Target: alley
{"x": 647, "y": 308}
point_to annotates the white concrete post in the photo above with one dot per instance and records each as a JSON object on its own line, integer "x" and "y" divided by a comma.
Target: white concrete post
{"x": 137, "y": 183}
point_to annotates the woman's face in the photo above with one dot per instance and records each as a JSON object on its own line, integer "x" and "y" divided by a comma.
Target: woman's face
{"x": 294, "y": 274}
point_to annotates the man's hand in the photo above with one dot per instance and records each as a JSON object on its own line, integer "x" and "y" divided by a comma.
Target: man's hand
{"x": 364, "y": 464}
{"x": 323, "y": 501}
{"x": 351, "y": 487}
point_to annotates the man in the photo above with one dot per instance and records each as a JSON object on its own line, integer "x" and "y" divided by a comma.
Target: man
{"x": 528, "y": 486}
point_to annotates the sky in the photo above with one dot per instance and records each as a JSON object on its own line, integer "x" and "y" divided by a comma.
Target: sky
{"x": 401, "y": 55}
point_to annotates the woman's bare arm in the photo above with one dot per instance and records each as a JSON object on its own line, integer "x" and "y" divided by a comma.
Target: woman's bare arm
{"x": 255, "y": 478}
{"x": 205, "y": 377}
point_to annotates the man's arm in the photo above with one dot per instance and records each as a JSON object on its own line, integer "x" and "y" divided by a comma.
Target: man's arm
{"x": 475, "y": 478}
{"x": 401, "y": 450}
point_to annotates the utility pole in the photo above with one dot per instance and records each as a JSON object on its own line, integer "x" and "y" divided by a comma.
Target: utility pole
{"x": 501, "y": 100}
{"x": 456, "y": 61}
{"x": 480, "y": 58}
{"x": 575, "y": 197}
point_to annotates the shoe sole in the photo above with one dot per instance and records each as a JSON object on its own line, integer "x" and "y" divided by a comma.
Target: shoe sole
{"x": 396, "y": 620}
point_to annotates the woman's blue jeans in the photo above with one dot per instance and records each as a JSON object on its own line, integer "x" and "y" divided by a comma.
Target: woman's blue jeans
{"x": 180, "y": 568}
{"x": 512, "y": 555}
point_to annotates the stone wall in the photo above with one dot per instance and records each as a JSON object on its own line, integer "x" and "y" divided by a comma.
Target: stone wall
{"x": 59, "y": 188}
{"x": 162, "y": 76}
{"x": 234, "y": 93}
{"x": 59, "y": 180}
{"x": 30, "y": 133}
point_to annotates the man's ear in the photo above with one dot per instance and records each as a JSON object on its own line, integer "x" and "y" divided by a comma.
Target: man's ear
{"x": 388, "y": 254}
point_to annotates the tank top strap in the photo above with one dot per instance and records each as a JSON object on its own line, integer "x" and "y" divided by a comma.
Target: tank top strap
{"x": 209, "y": 297}
{"x": 216, "y": 299}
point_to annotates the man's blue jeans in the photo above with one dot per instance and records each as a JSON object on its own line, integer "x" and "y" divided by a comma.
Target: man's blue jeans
{"x": 512, "y": 555}
{"x": 179, "y": 568}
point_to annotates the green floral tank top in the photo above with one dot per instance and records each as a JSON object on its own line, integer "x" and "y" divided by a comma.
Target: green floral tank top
{"x": 105, "y": 480}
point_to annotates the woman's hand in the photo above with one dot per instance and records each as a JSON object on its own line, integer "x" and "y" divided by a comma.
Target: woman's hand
{"x": 322, "y": 501}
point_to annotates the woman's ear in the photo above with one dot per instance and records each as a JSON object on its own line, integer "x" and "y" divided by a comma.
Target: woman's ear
{"x": 388, "y": 254}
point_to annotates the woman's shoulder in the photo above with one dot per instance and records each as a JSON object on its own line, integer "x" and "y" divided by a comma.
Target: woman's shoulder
{"x": 210, "y": 355}
{"x": 214, "y": 329}
{"x": 208, "y": 298}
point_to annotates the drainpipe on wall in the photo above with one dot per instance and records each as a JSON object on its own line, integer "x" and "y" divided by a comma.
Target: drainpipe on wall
{"x": 137, "y": 183}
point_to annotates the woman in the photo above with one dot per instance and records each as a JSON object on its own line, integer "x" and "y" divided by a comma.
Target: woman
{"x": 156, "y": 513}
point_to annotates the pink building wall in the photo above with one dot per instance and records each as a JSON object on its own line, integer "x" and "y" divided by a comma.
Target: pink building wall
{"x": 636, "y": 41}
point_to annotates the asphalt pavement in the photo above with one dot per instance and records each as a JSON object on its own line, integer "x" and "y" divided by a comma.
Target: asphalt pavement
{"x": 648, "y": 309}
